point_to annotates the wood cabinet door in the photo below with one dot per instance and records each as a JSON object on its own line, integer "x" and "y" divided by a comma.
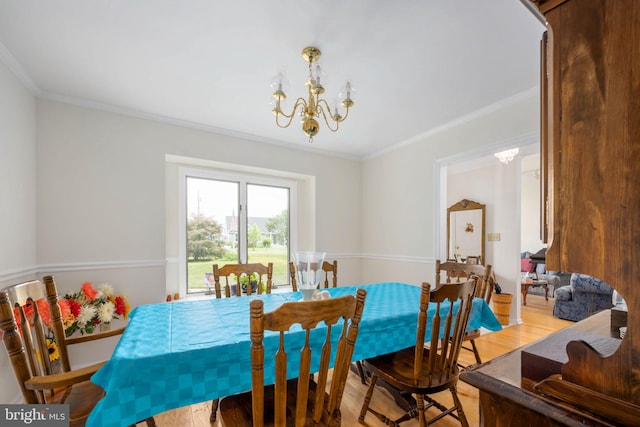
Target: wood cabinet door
{"x": 593, "y": 160}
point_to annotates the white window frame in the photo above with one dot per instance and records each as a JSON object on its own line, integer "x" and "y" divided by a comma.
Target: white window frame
{"x": 243, "y": 179}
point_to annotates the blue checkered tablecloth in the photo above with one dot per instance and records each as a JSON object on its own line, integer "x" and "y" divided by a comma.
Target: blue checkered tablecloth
{"x": 185, "y": 352}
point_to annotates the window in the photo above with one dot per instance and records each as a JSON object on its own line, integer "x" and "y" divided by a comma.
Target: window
{"x": 232, "y": 218}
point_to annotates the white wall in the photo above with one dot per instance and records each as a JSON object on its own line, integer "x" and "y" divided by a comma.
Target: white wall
{"x": 496, "y": 186}
{"x": 105, "y": 199}
{"x": 102, "y": 207}
{"x": 401, "y": 199}
{"x": 17, "y": 176}
{"x": 18, "y": 193}
{"x": 530, "y": 215}
{"x": 101, "y": 199}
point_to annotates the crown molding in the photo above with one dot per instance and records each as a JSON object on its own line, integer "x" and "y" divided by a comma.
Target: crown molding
{"x": 14, "y": 66}
{"x": 94, "y": 105}
{"x": 12, "y": 63}
{"x": 484, "y": 111}
{"x": 483, "y": 156}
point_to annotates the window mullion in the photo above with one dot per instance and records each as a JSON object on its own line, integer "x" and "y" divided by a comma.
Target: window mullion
{"x": 242, "y": 218}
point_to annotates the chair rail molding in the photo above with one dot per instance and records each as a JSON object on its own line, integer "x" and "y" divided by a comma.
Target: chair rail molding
{"x": 10, "y": 276}
{"x": 32, "y": 271}
{"x": 402, "y": 258}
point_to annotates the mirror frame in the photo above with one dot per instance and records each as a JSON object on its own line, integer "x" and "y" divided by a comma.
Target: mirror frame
{"x": 466, "y": 205}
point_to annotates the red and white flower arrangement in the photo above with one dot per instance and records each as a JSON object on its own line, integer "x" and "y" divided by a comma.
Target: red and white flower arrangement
{"x": 90, "y": 307}
{"x": 81, "y": 311}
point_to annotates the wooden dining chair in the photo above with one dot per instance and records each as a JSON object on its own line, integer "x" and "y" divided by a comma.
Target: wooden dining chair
{"x": 473, "y": 260}
{"x": 234, "y": 274}
{"x": 330, "y": 271}
{"x": 29, "y": 338}
{"x": 299, "y": 401}
{"x": 456, "y": 272}
{"x": 421, "y": 370}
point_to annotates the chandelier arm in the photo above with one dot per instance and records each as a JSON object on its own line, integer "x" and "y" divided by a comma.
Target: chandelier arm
{"x": 333, "y": 117}
{"x": 324, "y": 115}
{"x": 299, "y": 102}
{"x": 346, "y": 114}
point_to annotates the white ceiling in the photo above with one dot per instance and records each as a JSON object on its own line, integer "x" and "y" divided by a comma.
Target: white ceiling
{"x": 417, "y": 65}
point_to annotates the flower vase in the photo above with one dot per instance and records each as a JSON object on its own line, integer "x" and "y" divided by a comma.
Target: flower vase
{"x": 105, "y": 326}
{"x": 308, "y": 270}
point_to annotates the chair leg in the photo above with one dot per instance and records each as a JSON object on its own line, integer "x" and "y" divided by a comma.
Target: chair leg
{"x": 367, "y": 398}
{"x": 214, "y": 410}
{"x": 361, "y": 372}
{"x": 387, "y": 421}
{"x": 476, "y": 353}
{"x": 151, "y": 422}
{"x": 461, "y": 416}
{"x": 421, "y": 415}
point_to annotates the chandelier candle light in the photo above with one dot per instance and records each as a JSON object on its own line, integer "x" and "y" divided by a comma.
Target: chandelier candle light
{"x": 314, "y": 106}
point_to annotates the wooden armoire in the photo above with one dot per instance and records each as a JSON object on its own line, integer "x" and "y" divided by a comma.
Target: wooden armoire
{"x": 590, "y": 154}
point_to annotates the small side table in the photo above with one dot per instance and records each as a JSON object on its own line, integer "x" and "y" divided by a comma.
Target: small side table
{"x": 524, "y": 287}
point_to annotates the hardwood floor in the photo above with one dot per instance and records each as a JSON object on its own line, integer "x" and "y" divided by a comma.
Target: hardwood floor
{"x": 537, "y": 323}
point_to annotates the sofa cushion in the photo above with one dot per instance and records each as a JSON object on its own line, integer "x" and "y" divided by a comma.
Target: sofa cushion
{"x": 589, "y": 284}
{"x": 540, "y": 256}
{"x": 563, "y": 293}
{"x": 526, "y": 266}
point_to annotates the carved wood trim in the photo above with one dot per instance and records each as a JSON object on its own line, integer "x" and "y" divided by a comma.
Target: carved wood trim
{"x": 619, "y": 411}
{"x": 546, "y": 5}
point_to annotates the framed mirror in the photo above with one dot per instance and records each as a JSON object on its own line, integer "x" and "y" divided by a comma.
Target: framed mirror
{"x": 465, "y": 232}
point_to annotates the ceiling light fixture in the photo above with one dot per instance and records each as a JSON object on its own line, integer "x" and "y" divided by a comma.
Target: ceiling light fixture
{"x": 314, "y": 106}
{"x": 507, "y": 155}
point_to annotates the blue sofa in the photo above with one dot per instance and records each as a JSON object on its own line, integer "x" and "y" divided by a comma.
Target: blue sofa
{"x": 584, "y": 296}
{"x": 534, "y": 265}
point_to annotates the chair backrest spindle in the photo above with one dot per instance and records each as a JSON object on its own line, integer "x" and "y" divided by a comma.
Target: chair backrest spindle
{"x": 309, "y": 315}
{"x": 447, "y": 329}
{"x": 238, "y": 272}
{"x": 457, "y": 272}
{"x": 330, "y": 269}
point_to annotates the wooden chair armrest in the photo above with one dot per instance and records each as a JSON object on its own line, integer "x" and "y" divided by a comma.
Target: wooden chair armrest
{"x": 65, "y": 379}
{"x": 95, "y": 336}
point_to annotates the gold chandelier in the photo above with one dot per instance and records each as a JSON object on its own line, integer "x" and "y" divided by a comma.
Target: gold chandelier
{"x": 314, "y": 106}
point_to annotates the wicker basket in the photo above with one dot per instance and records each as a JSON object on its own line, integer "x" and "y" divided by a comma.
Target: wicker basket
{"x": 502, "y": 307}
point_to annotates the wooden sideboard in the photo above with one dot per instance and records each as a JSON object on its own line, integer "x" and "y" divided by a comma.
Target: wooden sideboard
{"x": 512, "y": 386}
{"x": 590, "y": 153}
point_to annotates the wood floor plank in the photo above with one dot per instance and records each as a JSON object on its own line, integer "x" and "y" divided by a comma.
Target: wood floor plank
{"x": 537, "y": 323}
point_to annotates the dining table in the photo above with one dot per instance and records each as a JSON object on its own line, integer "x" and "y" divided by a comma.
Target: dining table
{"x": 189, "y": 351}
